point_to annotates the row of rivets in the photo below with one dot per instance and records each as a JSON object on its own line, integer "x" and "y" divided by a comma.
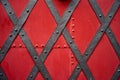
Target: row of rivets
{"x": 37, "y": 46}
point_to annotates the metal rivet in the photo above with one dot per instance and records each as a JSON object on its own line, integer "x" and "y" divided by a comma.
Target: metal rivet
{"x": 72, "y": 56}
{"x": 42, "y": 45}
{"x": 20, "y": 45}
{"x": 14, "y": 45}
{"x": 70, "y": 42}
{"x": 72, "y": 63}
{"x": 73, "y": 19}
{"x": 65, "y": 46}
{"x": 15, "y": 29}
{"x": 110, "y": 16}
{"x": 22, "y": 34}
{"x": 73, "y": 37}
{"x": 1, "y": 74}
{"x": 10, "y": 12}
{"x": 69, "y": 11}
{"x": 35, "y": 57}
{"x": 36, "y": 45}
{"x": 78, "y": 67}
{"x": 45, "y": 51}
{"x": 31, "y": 76}
{"x": 102, "y": 30}
{"x": 100, "y": 15}
{"x": 109, "y": 32}
{"x": 27, "y": 10}
{"x": 118, "y": 70}
{"x": 73, "y": 30}
{"x": 2, "y": 52}
{"x": 86, "y": 54}
{"x": 57, "y": 32}
{"x": 58, "y": 46}
{"x": 73, "y": 25}
{"x": 10, "y": 35}
{"x": 5, "y": 4}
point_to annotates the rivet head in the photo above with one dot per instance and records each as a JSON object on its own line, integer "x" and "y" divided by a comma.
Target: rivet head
{"x": 118, "y": 70}
{"x": 42, "y": 45}
{"x": 73, "y": 25}
{"x": 72, "y": 56}
{"x": 5, "y": 4}
{"x": 100, "y": 15}
{"x": 72, "y": 63}
{"x": 102, "y": 30}
{"x": 31, "y": 76}
{"x": 27, "y": 10}
{"x": 110, "y": 16}
{"x": 57, "y": 32}
{"x": 73, "y": 30}
{"x": 10, "y": 12}
{"x": 73, "y": 37}
{"x": 73, "y": 19}
{"x": 14, "y": 45}
{"x": 20, "y": 45}
{"x": 2, "y": 52}
{"x": 15, "y": 30}
{"x": 70, "y": 42}
{"x": 78, "y": 67}
{"x": 65, "y": 46}
{"x": 58, "y": 46}
{"x": 10, "y": 35}
{"x": 22, "y": 34}
{"x": 45, "y": 51}
{"x": 109, "y": 32}
{"x": 1, "y": 74}
{"x": 69, "y": 11}
{"x": 36, "y": 45}
{"x": 35, "y": 57}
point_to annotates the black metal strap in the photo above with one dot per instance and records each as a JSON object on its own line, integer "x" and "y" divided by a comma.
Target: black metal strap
{"x": 67, "y": 37}
{"x": 116, "y": 75}
{"x": 17, "y": 27}
{"x": 2, "y": 75}
{"x": 29, "y": 45}
{"x": 105, "y": 24}
{"x": 56, "y": 34}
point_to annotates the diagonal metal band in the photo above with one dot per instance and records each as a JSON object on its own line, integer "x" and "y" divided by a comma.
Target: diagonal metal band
{"x": 98, "y": 36}
{"x": 28, "y": 43}
{"x": 56, "y": 34}
{"x": 116, "y": 75}
{"x": 17, "y": 27}
{"x": 67, "y": 37}
{"x": 109, "y": 32}
{"x": 2, "y": 75}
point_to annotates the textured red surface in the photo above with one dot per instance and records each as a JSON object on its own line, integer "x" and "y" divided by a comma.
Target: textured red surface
{"x": 60, "y": 63}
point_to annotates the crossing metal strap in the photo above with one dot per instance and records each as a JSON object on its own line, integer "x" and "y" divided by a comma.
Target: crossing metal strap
{"x": 29, "y": 45}
{"x": 105, "y": 25}
{"x": 67, "y": 37}
{"x": 116, "y": 75}
{"x": 2, "y": 75}
{"x": 17, "y": 27}
{"x": 45, "y": 52}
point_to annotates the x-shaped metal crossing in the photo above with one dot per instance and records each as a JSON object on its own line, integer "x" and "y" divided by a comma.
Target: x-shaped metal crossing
{"x": 60, "y": 29}
{"x": 18, "y": 30}
{"x": 68, "y": 40}
{"x": 105, "y": 21}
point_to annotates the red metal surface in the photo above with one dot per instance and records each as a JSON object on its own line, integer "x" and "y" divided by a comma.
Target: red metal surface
{"x": 60, "y": 63}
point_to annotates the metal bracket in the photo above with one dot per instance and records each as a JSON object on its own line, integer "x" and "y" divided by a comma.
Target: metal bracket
{"x": 105, "y": 21}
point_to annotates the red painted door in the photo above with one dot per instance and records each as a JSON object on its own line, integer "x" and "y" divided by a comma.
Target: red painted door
{"x": 60, "y": 40}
